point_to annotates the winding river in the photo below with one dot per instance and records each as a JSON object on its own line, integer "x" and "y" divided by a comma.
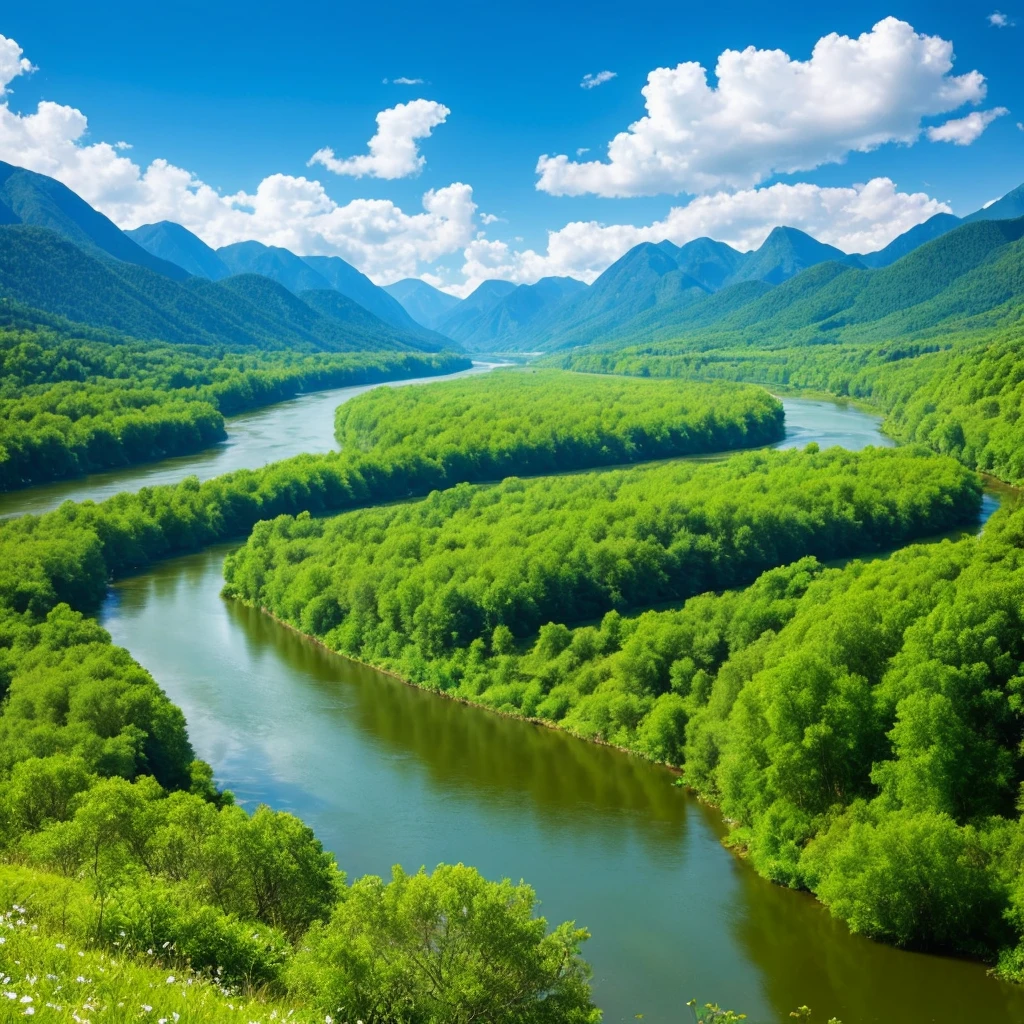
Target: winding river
{"x": 388, "y": 774}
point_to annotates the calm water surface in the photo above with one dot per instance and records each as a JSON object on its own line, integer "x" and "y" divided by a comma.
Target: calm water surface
{"x": 303, "y": 424}
{"x": 388, "y": 774}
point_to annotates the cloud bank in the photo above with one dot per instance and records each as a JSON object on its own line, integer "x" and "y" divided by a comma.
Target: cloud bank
{"x": 770, "y": 114}
{"x": 393, "y": 150}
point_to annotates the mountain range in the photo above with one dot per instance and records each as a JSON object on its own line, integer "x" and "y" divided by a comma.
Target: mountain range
{"x": 59, "y": 255}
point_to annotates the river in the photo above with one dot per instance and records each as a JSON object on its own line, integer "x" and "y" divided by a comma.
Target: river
{"x": 389, "y": 774}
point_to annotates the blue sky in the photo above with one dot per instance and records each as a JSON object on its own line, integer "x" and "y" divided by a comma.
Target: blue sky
{"x": 239, "y": 94}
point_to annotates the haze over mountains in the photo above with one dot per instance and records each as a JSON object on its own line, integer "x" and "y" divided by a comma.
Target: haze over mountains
{"x": 160, "y": 281}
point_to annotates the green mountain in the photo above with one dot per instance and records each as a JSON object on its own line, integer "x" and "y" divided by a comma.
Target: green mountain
{"x": 178, "y": 245}
{"x": 500, "y": 327}
{"x": 42, "y": 269}
{"x": 1010, "y": 207}
{"x": 343, "y": 277}
{"x": 783, "y": 254}
{"x": 427, "y": 305}
{"x": 966, "y": 279}
{"x": 933, "y": 227}
{"x": 272, "y": 261}
{"x": 40, "y": 201}
{"x": 657, "y": 288}
{"x": 463, "y": 318}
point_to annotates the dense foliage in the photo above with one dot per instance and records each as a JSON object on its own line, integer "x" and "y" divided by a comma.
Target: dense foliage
{"x": 524, "y": 422}
{"x": 860, "y": 727}
{"x": 71, "y": 405}
{"x": 409, "y": 585}
{"x": 961, "y": 394}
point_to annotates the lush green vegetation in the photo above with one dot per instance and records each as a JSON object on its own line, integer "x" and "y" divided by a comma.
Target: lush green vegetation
{"x": 413, "y": 586}
{"x": 961, "y": 394}
{"x": 72, "y": 405}
{"x": 526, "y": 422}
{"x": 860, "y": 727}
{"x": 116, "y": 838}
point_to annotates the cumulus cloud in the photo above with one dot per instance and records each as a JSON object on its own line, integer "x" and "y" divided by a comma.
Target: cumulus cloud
{"x": 12, "y": 63}
{"x": 999, "y": 20}
{"x": 593, "y": 81}
{"x": 376, "y": 235}
{"x": 964, "y": 130}
{"x": 862, "y": 218}
{"x": 491, "y": 218}
{"x": 772, "y": 114}
{"x": 393, "y": 150}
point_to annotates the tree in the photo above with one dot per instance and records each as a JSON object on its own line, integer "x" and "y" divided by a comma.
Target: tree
{"x": 445, "y": 948}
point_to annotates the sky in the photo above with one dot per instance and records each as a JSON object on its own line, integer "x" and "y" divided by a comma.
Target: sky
{"x": 458, "y": 142}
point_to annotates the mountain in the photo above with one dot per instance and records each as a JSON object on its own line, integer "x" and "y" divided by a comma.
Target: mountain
{"x": 1010, "y": 207}
{"x": 712, "y": 264}
{"x": 499, "y": 328}
{"x": 463, "y": 318}
{"x": 425, "y": 304}
{"x": 782, "y": 255}
{"x": 343, "y": 277}
{"x": 932, "y": 228}
{"x": 280, "y": 265}
{"x": 41, "y": 269}
{"x": 40, "y": 201}
{"x": 178, "y": 245}
{"x": 966, "y": 279}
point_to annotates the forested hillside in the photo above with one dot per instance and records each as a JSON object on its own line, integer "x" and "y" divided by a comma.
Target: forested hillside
{"x": 71, "y": 405}
{"x": 527, "y": 422}
{"x": 409, "y": 586}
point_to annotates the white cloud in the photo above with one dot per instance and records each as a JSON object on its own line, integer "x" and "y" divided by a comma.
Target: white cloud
{"x": 122, "y": 145}
{"x": 12, "y": 63}
{"x": 593, "y": 81}
{"x": 771, "y": 114}
{"x": 376, "y": 235}
{"x": 407, "y": 81}
{"x": 393, "y": 149}
{"x": 964, "y": 130}
{"x": 491, "y": 218}
{"x": 1000, "y": 20}
{"x": 862, "y": 218}
{"x": 582, "y": 149}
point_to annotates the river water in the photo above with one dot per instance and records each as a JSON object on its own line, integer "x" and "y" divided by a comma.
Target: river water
{"x": 388, "y": 774}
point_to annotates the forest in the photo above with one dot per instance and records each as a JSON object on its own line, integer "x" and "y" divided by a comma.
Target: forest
{"x": 962, "y": 394}
{"x": 407, "y": 585}
{"x": 71, "y": 405}
{"x": 572, "y": 421}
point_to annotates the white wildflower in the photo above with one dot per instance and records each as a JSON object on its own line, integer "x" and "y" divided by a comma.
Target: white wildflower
{"x": 147, "y": 1009}
{"x": 170, "y": 979}
{"x": 60, "y": 945}
{"x": 25, "y": 999}
{"x": 28, "y": 1011}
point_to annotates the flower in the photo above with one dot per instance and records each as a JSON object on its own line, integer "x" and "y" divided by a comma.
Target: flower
{"x": 28, "y": 1011}
{"x": 60, "y": 945}
{"x": 170, "y": 979}
{"x": 25, "y": 999}
{"x": 147, "y": 1009}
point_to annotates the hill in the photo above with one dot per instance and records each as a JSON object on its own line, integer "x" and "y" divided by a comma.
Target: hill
{"x": 41, "y": 269}
{"x": 463, "y": 319}
{"x": 427, "y": 305}
{"x": 39, "y": 201}
{"x": 280, "y": 265}
{"x": 343, "y": 277}
{"x": 178, "y": 245}
{"x": 500, "y": 327}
